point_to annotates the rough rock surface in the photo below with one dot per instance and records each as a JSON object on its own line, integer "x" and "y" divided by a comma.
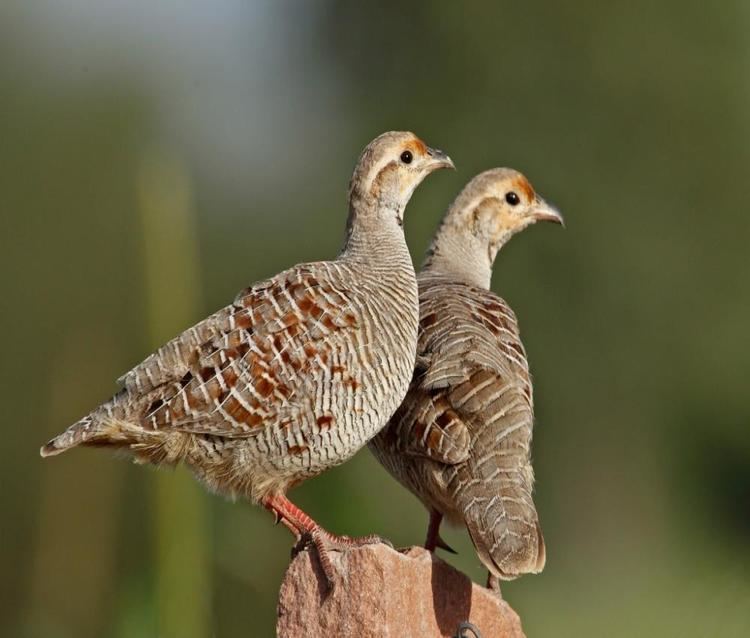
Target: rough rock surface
{"x": 385, "y": 593}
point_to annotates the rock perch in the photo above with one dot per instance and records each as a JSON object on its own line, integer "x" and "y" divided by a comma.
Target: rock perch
{"x": 386, "y": 593}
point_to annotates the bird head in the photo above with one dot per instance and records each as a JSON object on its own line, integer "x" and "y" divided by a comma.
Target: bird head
{"x": 491, "y": 208}
{"x": 497, "y": 204}
{"x": 391, "y": 167}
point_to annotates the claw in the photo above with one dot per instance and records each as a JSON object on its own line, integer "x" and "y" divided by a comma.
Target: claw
{"x": 309, "y": 533}
{"x": 433, "y": 534}
{"x": 318, "y": 539}
{"x": 439, "y": 542}
{"x": 302, "y": 544}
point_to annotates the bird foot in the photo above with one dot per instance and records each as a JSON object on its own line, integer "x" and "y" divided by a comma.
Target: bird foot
{"x": 325, "y": 542}
{"x": 434, "y": 540}
{"x": 342, "y": 543}
{"x": 335, "y": 542}
{"x": 310, "y": 534}
{"x": 439, "y": 542}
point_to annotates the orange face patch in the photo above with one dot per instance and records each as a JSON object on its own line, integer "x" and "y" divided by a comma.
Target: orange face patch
{"x": 417, "y": 147}
{"x": 522, "y": 184}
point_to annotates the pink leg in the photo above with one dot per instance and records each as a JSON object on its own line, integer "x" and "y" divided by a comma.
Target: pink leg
{"x": 306, "y": 530}
{"x": 433, "y": 534}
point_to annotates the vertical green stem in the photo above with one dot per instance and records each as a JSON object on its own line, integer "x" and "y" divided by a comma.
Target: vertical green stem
{"x": 181, "y": 520}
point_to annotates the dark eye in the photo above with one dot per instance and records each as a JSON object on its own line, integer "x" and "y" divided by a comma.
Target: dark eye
{"x": 406, "y": 157}
{"x": 512, "y": 198}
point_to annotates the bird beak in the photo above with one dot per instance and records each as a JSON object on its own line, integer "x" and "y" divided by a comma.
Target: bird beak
{"x": 544, "y": 212}
{"x": 438, "y": 159}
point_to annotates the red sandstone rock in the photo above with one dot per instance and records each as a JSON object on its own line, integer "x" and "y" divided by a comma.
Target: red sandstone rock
{"x": 384, "y": 593}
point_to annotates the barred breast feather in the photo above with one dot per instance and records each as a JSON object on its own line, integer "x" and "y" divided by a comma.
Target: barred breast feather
{"x": 294, "y": 368}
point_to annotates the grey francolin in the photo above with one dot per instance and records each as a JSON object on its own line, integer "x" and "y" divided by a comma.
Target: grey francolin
{"x": 295, "y": 375}
{"x": 461, "y": 439}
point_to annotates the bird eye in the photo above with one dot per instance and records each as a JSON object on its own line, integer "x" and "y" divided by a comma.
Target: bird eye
{"x": 512, "y": 198}
{"x": 406, "y": 157}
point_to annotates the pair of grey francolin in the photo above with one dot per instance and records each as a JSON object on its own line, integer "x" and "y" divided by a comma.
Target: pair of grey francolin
{"x": 303, "y": 369}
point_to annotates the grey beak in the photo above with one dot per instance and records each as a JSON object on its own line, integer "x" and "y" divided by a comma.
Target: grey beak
{"x": 544, "y": 212}
{"x": 439, "y": 159}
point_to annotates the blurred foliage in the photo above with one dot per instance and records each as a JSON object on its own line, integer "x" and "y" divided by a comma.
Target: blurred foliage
{"x": 632, "y": 118}
{"x": 180, "y": 513}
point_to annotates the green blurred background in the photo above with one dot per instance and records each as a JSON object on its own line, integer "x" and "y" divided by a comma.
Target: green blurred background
{"x": 156, "y": 159}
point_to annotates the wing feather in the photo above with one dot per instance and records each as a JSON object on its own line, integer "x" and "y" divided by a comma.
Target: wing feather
{"x": 241, "y": 369}
{"x": 461, "y": 383}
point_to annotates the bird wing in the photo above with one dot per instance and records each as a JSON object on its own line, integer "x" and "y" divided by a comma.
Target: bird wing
{"x": 474, "y": 373}
{"x": 427, "y": 425}
{"x": 242, "y": 367}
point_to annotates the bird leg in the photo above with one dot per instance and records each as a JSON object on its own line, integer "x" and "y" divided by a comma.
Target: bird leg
{"x": 433, "y": 539}
{"x": 308, "y": 532}
{"x": 278, "y": 518}
{"x": 493, "y": 584}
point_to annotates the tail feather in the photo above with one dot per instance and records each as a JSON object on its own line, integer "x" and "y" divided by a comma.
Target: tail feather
{"x": 507, "y": 551}
{"x": 113, "y": 425}
{"x": 76, "y": 434}
{"x": 106, "y": 425}
{"x": 109, "y": 425}
{"x": 505, "y": 531}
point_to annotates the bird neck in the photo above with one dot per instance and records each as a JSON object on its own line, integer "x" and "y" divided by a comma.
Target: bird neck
{"x": 374, "y": 232}
{"x": 461, "y": 256}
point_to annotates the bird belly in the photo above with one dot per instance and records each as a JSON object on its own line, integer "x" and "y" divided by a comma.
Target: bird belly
{"x": 341, "y": 414}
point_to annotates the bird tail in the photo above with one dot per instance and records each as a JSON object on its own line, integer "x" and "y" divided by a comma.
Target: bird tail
{"x": 508, "y": 557}
{"x": 506, "y": 533}
{"x": 103, "y": 427}
{"x": 76, "y": 434}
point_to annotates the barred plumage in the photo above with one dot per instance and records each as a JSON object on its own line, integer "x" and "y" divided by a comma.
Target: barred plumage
{"x": 299, "y": 372}
{"x": 461, "y": 439}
